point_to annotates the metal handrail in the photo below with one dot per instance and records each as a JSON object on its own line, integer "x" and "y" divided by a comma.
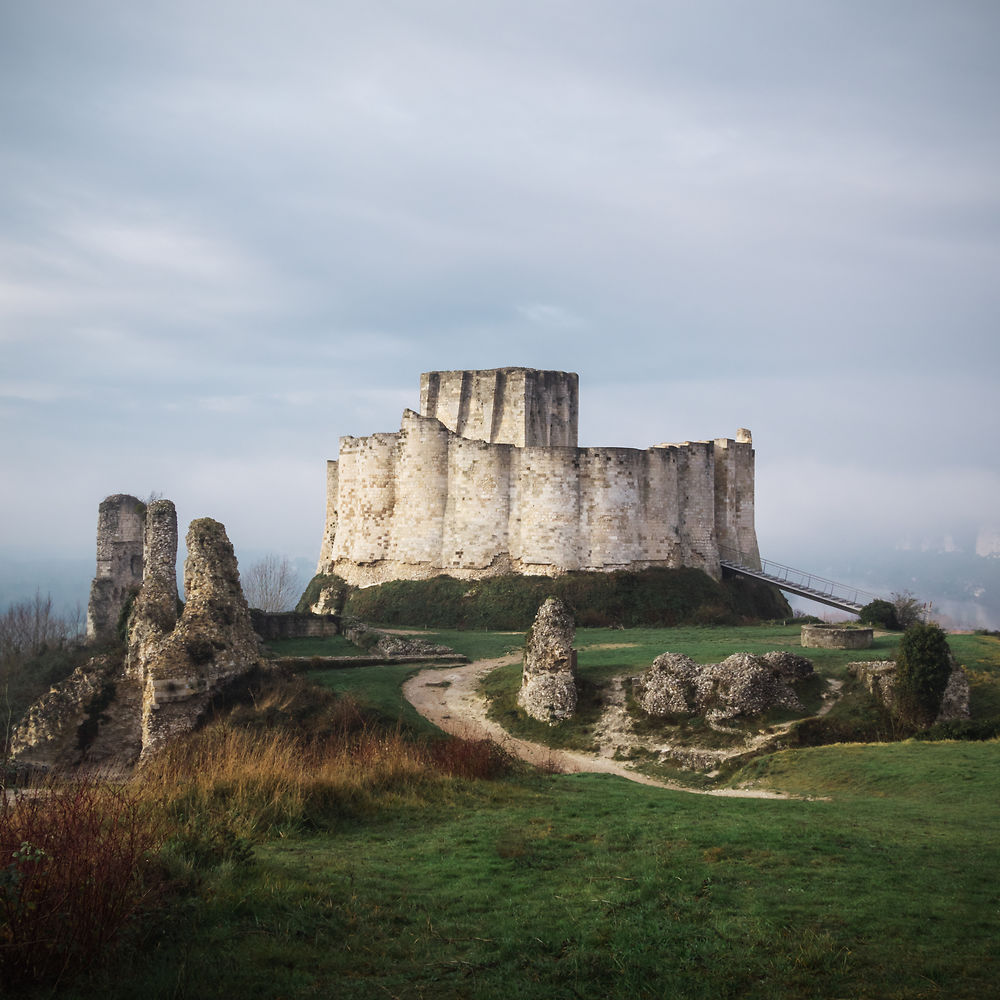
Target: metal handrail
{"x": 778, "y": 572}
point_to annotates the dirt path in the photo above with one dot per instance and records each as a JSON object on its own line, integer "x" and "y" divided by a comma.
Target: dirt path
{"x": 449, "y": 698}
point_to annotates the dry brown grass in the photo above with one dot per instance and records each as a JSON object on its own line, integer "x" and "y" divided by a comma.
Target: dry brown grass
{"x": 297, "y": 757}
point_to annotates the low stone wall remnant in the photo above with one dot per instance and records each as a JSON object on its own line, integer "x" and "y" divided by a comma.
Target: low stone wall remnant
{"x": 294, "y": 625}
{"x": 836, "y": 637}
{"x": 389, "y": 645}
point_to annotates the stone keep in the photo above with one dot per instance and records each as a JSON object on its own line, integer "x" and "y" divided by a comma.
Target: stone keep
{"x": 488, "y": 478}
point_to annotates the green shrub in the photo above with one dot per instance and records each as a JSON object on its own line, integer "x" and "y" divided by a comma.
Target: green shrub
{"x": 924, "y": 664}
{"x": 962, "y": 729}
{"x": 880, "y": 613}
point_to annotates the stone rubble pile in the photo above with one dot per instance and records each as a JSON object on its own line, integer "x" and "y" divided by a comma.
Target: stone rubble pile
{"x": 388, "y": 644}
{"x": 743, "y": 684}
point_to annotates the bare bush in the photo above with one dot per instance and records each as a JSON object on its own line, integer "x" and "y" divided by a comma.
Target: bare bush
{"x": 73, "y": 871}
{"x": 36, "y": 650}
{"x": 909, "y": 611}
{"x": 31, "y": 625}
{"x": 271, "y": 584}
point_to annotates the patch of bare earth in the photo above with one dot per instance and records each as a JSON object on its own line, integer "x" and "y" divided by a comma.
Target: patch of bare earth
{"x": 449, "y": 697}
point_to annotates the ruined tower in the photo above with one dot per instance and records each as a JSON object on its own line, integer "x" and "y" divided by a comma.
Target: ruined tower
{"x": 121, "y": 523}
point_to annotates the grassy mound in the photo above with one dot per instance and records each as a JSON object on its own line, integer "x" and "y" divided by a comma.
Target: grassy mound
{"x": 653, "y": 597}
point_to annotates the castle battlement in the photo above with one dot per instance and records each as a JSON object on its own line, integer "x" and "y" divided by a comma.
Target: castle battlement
{"x": 488, "y": 478}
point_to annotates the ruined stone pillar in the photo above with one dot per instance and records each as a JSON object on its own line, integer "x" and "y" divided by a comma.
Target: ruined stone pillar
{"x": 155, "y": 611}
{"x": 120, "y": 526}
{"x": 159, "y": 549}
{"x": 548, "y": 681}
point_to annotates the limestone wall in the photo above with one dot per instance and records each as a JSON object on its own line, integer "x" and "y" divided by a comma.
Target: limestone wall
{"x": 612, "y": 506}
{"x": 421, "y": 471}
{"x": 519, "y": 406}
{"x": 294, "y": 625}
{"x": 734, "y": 498}
{"x": 477, "y": 503}
{"x": 546, "y": 510}
{"x": 330, "y": 524}
{"x": 696, "y": 505}
{"x": 429, "y": 500}
{"x": 120, "y": 529}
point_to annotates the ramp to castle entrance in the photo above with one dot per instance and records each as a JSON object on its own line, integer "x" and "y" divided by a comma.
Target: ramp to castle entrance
{"x": 797, "y": 581}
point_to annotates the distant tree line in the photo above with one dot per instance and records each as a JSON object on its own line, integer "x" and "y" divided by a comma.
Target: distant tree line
{"x": 38, "y": 648}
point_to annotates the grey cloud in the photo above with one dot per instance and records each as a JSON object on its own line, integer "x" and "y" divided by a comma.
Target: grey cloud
{"x": 231, "y": 233}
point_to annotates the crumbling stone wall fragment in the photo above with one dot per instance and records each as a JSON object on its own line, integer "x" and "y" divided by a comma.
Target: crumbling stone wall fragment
{"x": 108, "y": 712}
{"x": 212, "y": 643}
{"x": 120, "y": 526}
{"x": 548, "y": 682}
{"x": 50, "y": 734}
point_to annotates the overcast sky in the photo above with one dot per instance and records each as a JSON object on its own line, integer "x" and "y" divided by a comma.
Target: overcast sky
{"x": 232, "y": 232}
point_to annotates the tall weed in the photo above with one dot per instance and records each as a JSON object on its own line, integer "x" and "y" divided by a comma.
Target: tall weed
{"x": 296, "y": 758}
{"x": 75, "y": 866}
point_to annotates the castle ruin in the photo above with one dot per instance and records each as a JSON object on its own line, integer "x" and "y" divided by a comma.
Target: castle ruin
{"x": 107, "y": 713}
{"x": 121, "y": 521}
{"x": 488, "y": 478}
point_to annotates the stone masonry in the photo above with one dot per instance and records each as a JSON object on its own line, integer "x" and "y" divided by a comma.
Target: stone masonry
{"x": 154, "y": 613}
{"x": 879, "y": 678}
{"x": 120, "y": 526}
{"x": 109, "y": 712}
{"x": 488, "y": 479}
{"x": 548, "y": 680}
{"x": 212, "y": 643}
{"x": 741, "y": 685}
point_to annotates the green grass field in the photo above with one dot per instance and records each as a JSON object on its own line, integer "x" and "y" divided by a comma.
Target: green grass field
{"x": 878, "y": 880}
{"x": 588, "y": 886}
